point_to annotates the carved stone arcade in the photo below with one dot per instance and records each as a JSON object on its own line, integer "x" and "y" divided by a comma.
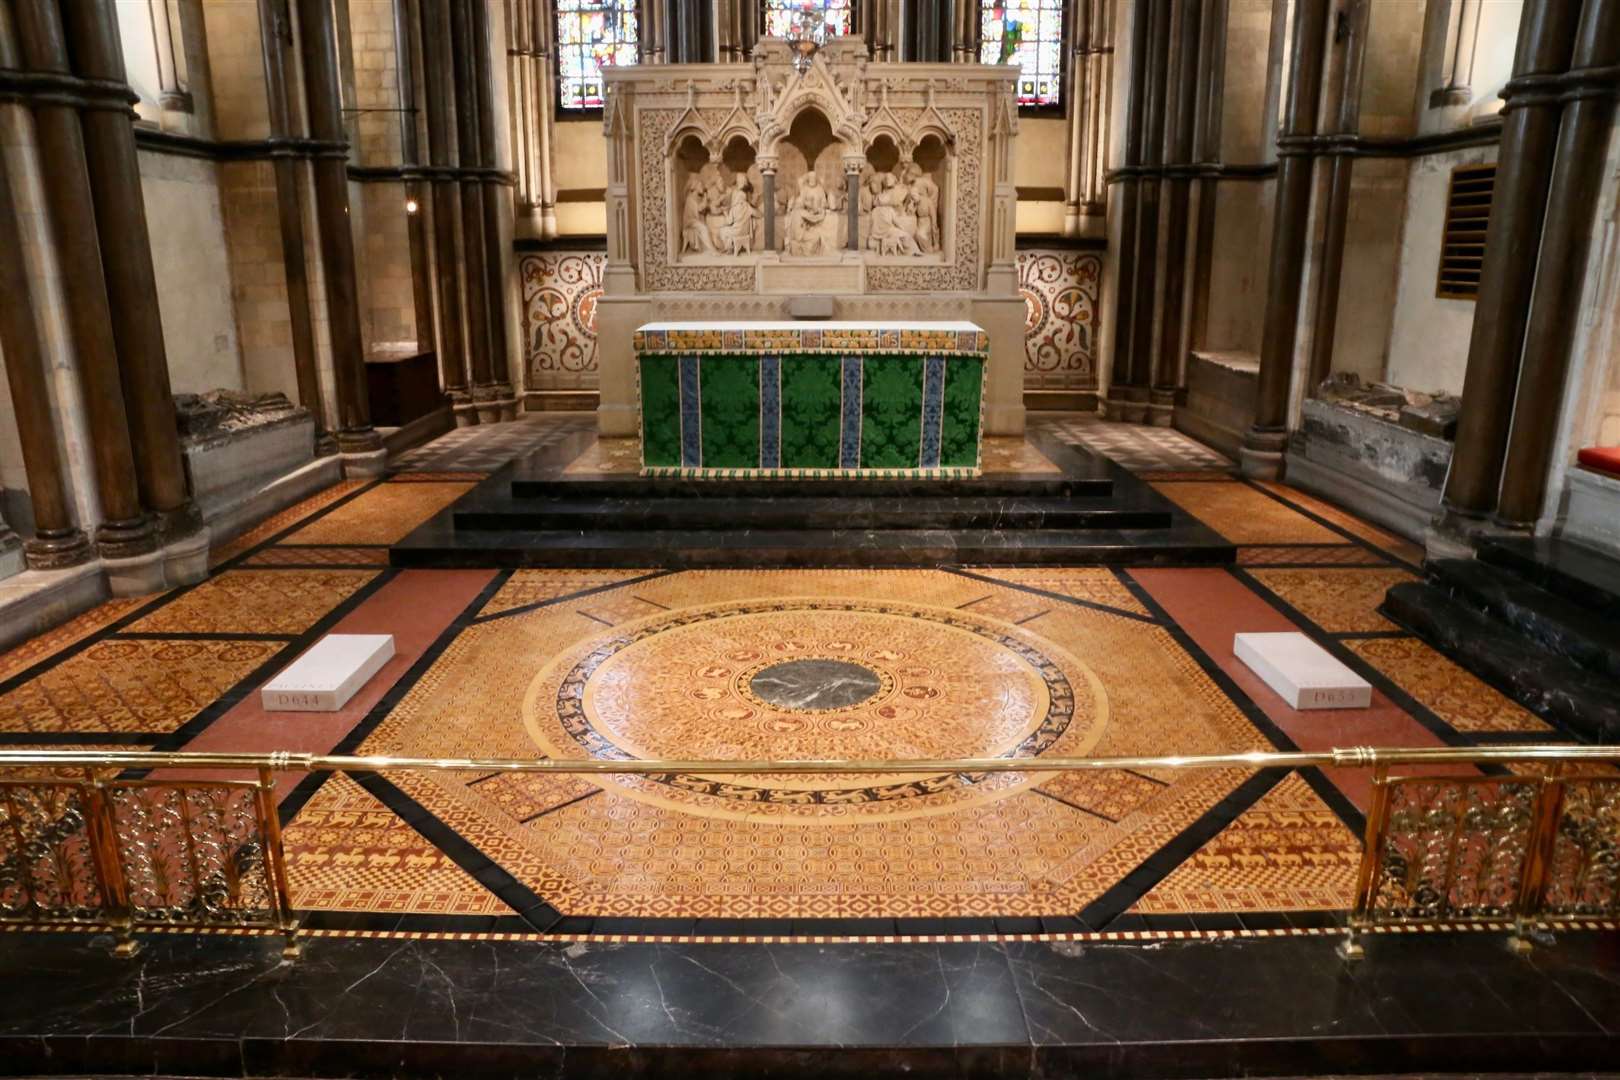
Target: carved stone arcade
{"x": 886, "y": 188}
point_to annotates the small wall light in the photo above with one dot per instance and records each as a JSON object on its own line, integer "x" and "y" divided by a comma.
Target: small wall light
{"x": 410, "y": 206}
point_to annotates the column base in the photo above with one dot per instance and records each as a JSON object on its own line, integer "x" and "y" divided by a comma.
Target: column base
{"x": 507, "y": 402}
{"x": 1455, "y": 533}
{"x": 185, "y": 560}
{"x": 129, "y": 539}
{"x": 1162, "y": 408}
{"x": 461, "y": 407}
{"x": 135, "y": 576}
{"x": 57, "y": 549}
{"x": 364, "y": 463}
{"x": 179, "y": 523}
{"x": 325, "y": 444}
{"x": 486, "y": 401}
{"x": 1261, "y": 456}
{"x": 1127, "y": 404}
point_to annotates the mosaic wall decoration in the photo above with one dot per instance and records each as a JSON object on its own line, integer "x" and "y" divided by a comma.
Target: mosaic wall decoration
{"x": 560, "y": 291}
{"x": 1060, "y": 328}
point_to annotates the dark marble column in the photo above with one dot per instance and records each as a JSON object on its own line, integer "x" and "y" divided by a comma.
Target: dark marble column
{"x": 126, "y": 530}
{"x": 57, "y": 540}
{"x": 318, "y": 49}
{"x": 1181, "y": 104}
{"x": 275, "y": 40}
{"x": 439, "y": 73}
{"x": 1126, "y": 307}
{"x": 126, "y": 253}
{"x": 1146, "y": 268}
{"x": 474, "y": 274}
{"x": 852, "y": 196}
{"x": 768, "y": 197}
{"x": 1583, "y": 136}
{"x": 1524, "y": 171}
{"x": 1263, "y": 446}
{"x": 1336, "y": 212}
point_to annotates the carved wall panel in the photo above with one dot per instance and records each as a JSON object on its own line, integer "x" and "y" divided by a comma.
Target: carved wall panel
{"x": 1060, "y": 290}
{"x": 560, "y": 291}
{"x": 962, "y": 273}
{"x": 657, "y": 274}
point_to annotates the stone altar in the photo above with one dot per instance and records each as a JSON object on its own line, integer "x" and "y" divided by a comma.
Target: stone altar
{"x": 885, "y": 188}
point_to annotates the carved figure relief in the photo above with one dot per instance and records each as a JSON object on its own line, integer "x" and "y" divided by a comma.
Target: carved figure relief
{"x": 811, "y": 227}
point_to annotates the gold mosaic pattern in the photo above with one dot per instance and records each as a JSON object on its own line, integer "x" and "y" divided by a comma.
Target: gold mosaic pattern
{"x": 255, "y": 602}
{"x": 1091, "y": 584}
{"x": 1340, "y": 600}
{"x": 1343, "y": 554}
{"x": 1015, "y": 852}
{"x": 1113, "y": 794}
{"x": 275, "y": 523}
{"x": 323, "y": 556}
{"x": 35, "y": 649}
{"x": 532, "y": 586}
{"x": 436, "y": 477}
{"x": 1450, "y": 692}
{"x": 122, "y": 685}
{"x": 1288, "y": 852}
{"x": 1245, "y": 516}
{"x": 348, "y": 852}
{"x": 384, "y": 515}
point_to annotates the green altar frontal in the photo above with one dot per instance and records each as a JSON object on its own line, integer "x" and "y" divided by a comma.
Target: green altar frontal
{"x": 810, "y": 402}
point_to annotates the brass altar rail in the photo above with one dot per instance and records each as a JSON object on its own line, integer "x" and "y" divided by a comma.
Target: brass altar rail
{"x": 133, "y": 854}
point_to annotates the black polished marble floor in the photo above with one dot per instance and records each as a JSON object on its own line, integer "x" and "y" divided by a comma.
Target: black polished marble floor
{"x": 228, "y": 1006}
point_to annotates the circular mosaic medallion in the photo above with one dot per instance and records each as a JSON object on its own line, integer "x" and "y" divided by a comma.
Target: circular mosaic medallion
{"x": 811, "y": 679}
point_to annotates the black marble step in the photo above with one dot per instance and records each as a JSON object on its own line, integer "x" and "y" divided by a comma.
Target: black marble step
{"x": 536, "y": 484}
{"x": 843, "y": 513}
{"x": 1576, "y": 572}
{"x": 1561, "y": 626}
{"x": 439, "y": 544}
{"x": 1559, "y": 691}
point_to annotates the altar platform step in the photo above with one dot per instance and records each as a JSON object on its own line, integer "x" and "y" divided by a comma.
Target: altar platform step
{"x": 799, "y": 512}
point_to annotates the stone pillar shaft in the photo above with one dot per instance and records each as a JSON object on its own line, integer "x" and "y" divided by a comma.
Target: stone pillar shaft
{"x": 1518, "y": 207}
{"x": 440, "y": 81}
{"x": 852, "y": 195}
{"x": 126, "y": 253}
{"x": 318, "y": 49}
{"x": 494, "y": 253}
{"x": 474, "y": 277}
{"x": 1147, "y": 215}
{"x": 1128, "y": 210}
{"x": 275, "y": 38}
{"x": 1289, "y": 232}
{"x": 125, "y": 530}
{"x": 1560, "y": 275}
{"x": 1180, "y": 103}
{"x": 407, "y": 47}
{"x": 768, "y": 197}
{"x": 57, "y": 540}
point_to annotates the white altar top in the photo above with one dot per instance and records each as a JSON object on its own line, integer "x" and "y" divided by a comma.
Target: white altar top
{"x": 954, "y": 325}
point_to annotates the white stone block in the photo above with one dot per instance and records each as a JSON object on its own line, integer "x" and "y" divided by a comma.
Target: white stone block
{"x": 1303, "y": 673}
{"x": 329, "y": 674}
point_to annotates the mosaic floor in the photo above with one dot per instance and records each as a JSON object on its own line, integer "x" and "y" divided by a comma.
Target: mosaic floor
{"x": 630, "y": 664}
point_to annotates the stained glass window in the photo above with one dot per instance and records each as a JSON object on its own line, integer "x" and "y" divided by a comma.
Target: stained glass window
{"x": 591, "y": 35}
{"x": 1028, "y": 33}
{"x": 783, "y": 16}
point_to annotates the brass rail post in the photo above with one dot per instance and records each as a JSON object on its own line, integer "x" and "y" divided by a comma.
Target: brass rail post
{"x": 276, "y": 864}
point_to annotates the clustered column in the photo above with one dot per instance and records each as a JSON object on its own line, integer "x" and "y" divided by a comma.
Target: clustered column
{"x": 1090, "y": 76}
{"x": 443, "y": 155}
{"x": 1556, "y": 121}
{"x": 126, "y": 530}
{"x": 495, "y": 247}
{"x": 1264, "y": 444}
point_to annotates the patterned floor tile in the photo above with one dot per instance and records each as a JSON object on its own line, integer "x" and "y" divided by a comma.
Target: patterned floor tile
{"x": 318, "y": 556}
{"x": 255, "y": 602}
{"x": 1245, "y": 516}
{"x": 276, "y": 523}
{"x": 487, "y": 447}
{"x": 1450, "y": 692}
{"x": 48, "y": 644}
{"x": 384, "y": 515}
{"x": 526, "y": 587}
{"x": 1091, "y": 584}
{"x": 133, "y": 686}
{"x": 1134, "y": 446}
{"x": 1342, "y": 554}
{"x": 1380, "y": 538}
{"x": 348, "y": 852}
{"x": 944, "y": 681}
{"x": 1341, "y": 600}
{"x": 607, "y": 457}
{"x": 1288, "y": 852}
{"x": 1113, "y": 794}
